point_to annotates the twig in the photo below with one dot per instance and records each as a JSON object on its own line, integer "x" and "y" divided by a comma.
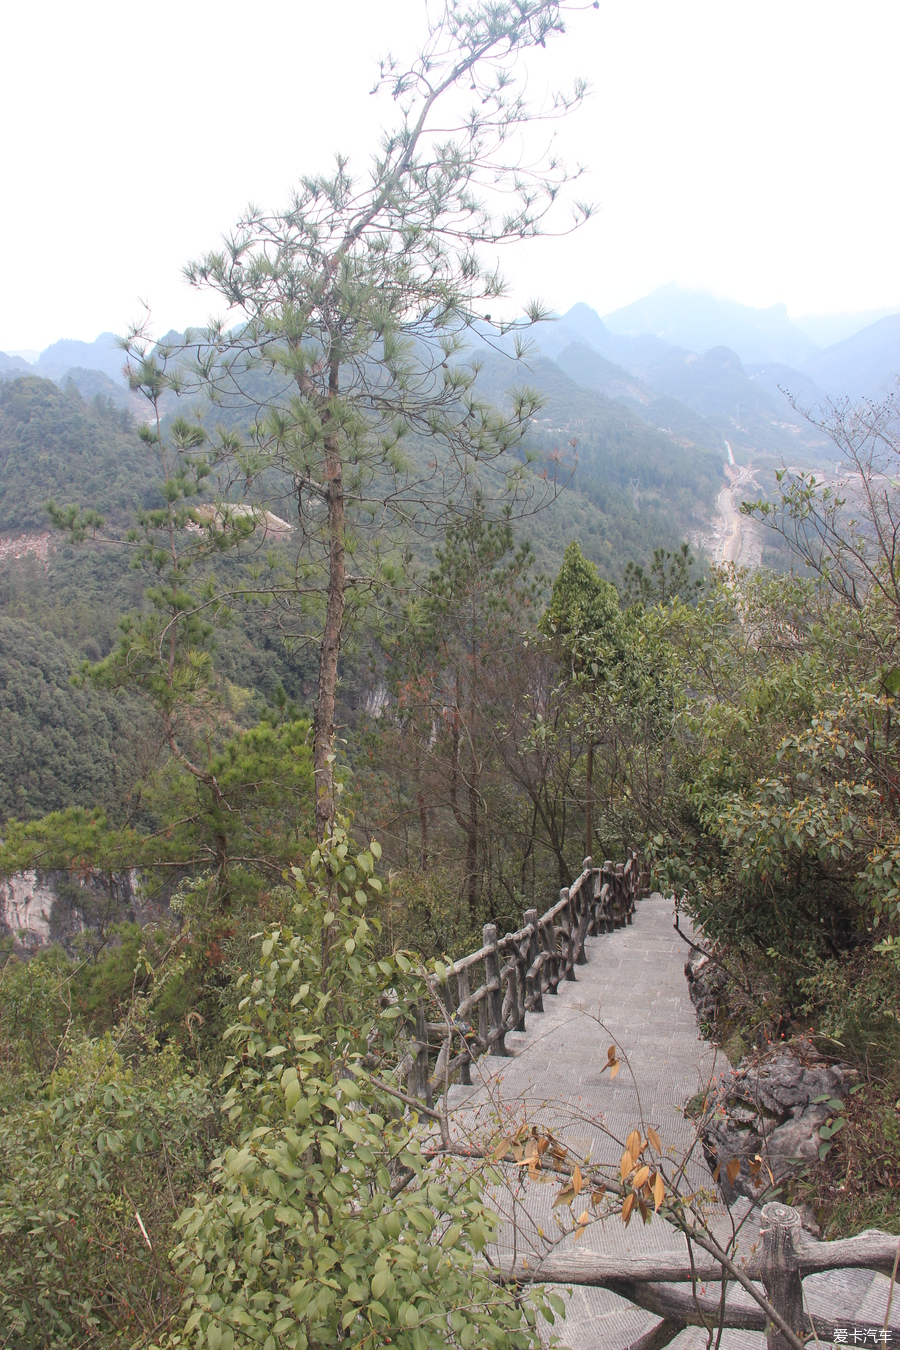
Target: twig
{"x": 422, "y": 1109}
{"x": 138, "y": 1217}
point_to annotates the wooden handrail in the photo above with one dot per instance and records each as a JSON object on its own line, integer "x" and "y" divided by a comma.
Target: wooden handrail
{"x": 787, "y": 1256}
{"x": 521, "y": 967}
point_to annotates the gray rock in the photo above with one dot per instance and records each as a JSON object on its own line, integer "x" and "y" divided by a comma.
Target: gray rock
{"x": 38, "y": 908}
{"x": 765, "y": 1113}
{"x": 706, "y": 985}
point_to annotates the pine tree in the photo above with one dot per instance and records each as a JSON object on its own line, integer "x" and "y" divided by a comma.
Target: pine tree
{"x": 350, "y": 365}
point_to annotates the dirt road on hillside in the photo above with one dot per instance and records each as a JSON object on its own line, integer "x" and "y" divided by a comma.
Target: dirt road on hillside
{"x": 736, "y": 539}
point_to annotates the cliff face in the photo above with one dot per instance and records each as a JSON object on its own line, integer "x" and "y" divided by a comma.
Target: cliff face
{"x": 38, "y": 908}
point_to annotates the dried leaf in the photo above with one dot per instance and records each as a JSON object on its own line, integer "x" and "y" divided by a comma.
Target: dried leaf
{"x": 645, "y": 1213}
{"x": 558, "y": 1153}
{"x": 597, "y": 1196}
{"x": 611, "y": 1055}
{"x": 577, "y": 1182}
{"x": 565, "y": 1197}
{"x": 615, "y": 1069}
{"x": 716, "y": 1174}
{"x": 640, "y": 1177}
{"x": 501, "y": 1150}
{"x": 543, "y": 1145}
{"x": 583, "y": 1220}
{"x": 628, "y": 1207}
{"x": 654, "y": 1139}
{"x": 659, "y": 1191}
{"x": 626, "y": 1165}
{"x": 732, "y": 1170}
{"x": 633, "y": 1144}
{"x": 517, "y": 1151}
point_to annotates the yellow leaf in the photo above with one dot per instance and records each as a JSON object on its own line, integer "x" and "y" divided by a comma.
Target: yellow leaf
{"x": 654, "y": 1139}
{"x": 659, "y": 1191}
{"x": 579, "y": 1230}
{"x": 645, "y": 1213}
{"x": 732, "y": 1170}
{"x": 576, "y": 1179}
{"x": 633, "y": 1144}
{"x": 626, "y": 1165}
{"x": 584, "y": 1217}
{"x": 501, "y": 1150}
{"x": 615, "y": 1069}
{"x": 628, "y": 1207}
{"x": 640, "y": 1177}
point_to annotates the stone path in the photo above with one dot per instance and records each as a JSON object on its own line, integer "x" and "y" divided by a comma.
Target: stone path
{"x": 634, "y": 984}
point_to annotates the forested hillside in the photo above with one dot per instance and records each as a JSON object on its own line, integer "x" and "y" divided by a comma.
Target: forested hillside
{"x": 63, "y": 746}
{"x": 53, "y": 444}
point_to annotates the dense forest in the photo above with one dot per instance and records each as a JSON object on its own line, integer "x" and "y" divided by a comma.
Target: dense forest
{"x": 362, "y": 640}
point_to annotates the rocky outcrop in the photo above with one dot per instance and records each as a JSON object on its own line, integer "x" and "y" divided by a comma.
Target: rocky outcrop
{"x": 38, "y": 908}
{"x": 26, "y": 903}
{"x": 766, "y": 1114}
{"x": 706, "y": 986}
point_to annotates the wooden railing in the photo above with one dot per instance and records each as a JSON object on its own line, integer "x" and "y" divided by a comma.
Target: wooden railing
{"x": 786, "y": 1255}
{"x": 488, "y": 993}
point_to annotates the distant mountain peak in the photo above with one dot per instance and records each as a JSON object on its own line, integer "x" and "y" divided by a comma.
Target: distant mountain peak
{"x": 699, "y": 321}
{"x": 102, "y": 354}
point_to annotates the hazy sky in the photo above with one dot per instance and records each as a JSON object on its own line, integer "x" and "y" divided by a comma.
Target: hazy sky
{"x": 744, "y": 148}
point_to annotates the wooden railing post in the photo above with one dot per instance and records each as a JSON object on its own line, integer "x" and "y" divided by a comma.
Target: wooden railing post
{"x": 593, "y": 891}
{"x": 533, "y": 984}
{"x": 548, "y": 941}
{"x": 583, "y": 913}
{"x": 462, "y": 993}
{"x": 628, "y": 878}
{"x": 521, "y": 947}
{"x": 494, "y": 999}
{"x": 608, "y": 874}
{"x": 571, "y": 935}
{"x": 620, "y": 895}
{"x": 782, "y": 1234}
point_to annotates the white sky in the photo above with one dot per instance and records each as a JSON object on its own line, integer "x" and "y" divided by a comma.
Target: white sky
{"x": 744, "y": 148}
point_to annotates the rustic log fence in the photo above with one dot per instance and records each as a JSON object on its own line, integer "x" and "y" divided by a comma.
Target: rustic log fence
{"x": 787, "y": 1255}
{"x": 512, "y": 974}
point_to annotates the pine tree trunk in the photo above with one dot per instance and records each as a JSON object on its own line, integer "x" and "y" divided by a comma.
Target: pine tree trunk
{"x": 589, "y": 802}
{"x": 423, "y": 830}
{"x": 472, "y": 850}
{"x": 323, "y": 743}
